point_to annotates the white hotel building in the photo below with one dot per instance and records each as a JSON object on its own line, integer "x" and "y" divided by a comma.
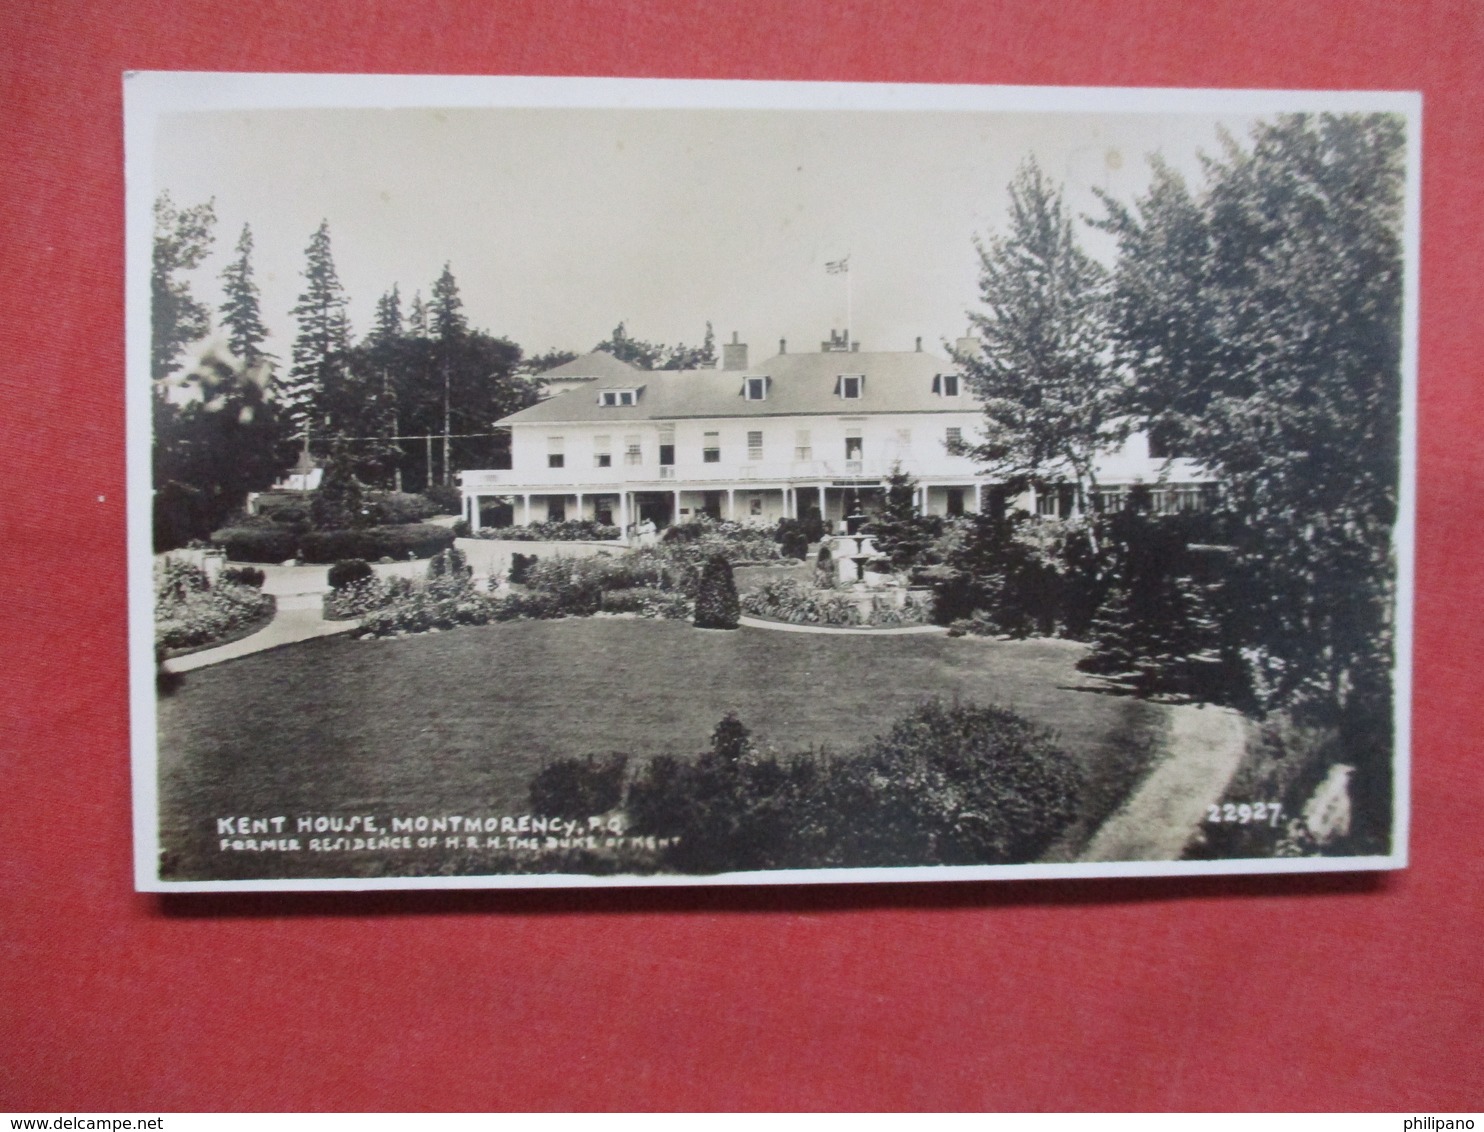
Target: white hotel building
{"x": 760, "y": 443}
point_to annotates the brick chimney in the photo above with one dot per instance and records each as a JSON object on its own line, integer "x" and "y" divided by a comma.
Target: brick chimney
{"x": 919, "y": 343}
{"x": 783, "y": 345}
{"x": 734, "y": 354}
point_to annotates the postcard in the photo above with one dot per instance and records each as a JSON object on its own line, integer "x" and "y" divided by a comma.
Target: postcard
{"x": 586, "y": 482}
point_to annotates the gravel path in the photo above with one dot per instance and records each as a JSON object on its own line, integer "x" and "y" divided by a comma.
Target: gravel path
{"x": 1159, "y": 819}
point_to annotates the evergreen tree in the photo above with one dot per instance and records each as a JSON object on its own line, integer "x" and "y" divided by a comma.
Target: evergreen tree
{"x": 1051, "y": 397}
{"x": 417, "y": 316}
{"x": 449, "y": 328}
{"x": 717, "y": 606}
{"x": 245, "y": 330}
{"x": 182, "y": 239}
{"x": 901, "y": 532}
{"x": 324, "y": 338}
{"x": 387, "y": 326}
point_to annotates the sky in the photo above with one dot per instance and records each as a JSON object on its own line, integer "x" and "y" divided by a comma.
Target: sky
{"x": 559, "y": 223}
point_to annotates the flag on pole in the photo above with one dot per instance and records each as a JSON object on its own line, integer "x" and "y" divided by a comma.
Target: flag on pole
{"x": 838, "y": 266}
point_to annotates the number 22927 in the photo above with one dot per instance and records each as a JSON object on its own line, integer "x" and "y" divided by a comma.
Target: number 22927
{"x": 1245, "y": 813}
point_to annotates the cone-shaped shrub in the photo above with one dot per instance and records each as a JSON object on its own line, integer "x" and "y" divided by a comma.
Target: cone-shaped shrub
{"x": 716, "y": 599}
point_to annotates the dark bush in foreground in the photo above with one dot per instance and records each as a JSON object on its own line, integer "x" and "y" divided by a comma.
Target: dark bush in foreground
{"x": 949, "y": 785}
{"x": 417, "y": 540}
{"x": 347, "y": 571}
{"x": 579, "y": 788}
{"x": 716, "y": 599}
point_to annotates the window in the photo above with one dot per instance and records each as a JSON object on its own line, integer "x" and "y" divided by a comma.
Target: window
{"x": 945, "y": 384}
{"x": 711, "y": 448}
{"x": 802, "y": 448}
{"x": 755, "y": 506}
{"x": 555, "y": 452}
{"x": 626, "y": 397}
{"x": 849, "y": 386}
{"x": 954, "y": 439}
{"x": 602, "y": 451}
{"x": 853, "y": 448}
{"x": 756, "y": 389}
{"x": 667, "y": 446}
{"x": 611, "y": 397}
{"x": 633, "y": 454}
{"x": 556, "y": 509}
{"x": 754, "y": 445}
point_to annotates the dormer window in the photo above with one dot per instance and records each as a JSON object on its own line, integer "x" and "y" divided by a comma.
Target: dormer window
{"x": 849, "y": 386}
{"x": 755, "y": 389}
{"x": 614, "y": 397}
{"x": 945, "y": 384}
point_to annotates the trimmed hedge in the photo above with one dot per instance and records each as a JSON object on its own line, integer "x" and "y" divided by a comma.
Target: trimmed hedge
{"x": 716, "y": 598}
{"x": 417, "y": 540}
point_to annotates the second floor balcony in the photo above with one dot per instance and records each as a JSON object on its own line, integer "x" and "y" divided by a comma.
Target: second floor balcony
{"x": 621, "y": 475}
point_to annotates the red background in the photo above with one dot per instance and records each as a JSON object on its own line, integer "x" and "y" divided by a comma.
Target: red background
{"x": 1322, "y": 992}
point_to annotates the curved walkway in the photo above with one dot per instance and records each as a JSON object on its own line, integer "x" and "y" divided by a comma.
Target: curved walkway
{"x": 791, "y": 627}
{"x": 1156, "y": 823}
{"x": 300, "y": 617}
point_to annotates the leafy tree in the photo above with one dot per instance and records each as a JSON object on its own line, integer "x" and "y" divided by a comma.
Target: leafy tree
{"x": 228, "y": 439}
{"x": 245, "y": 330}
{"x": 540, "y": 363}
{"x": 324, "y": 338}
{"x": 1262, "y": 317}
{"x": 635, "y": 351}
{"x": 1051, "y": 397}
{"x": 182, "y": 239}
{"x": 656, "y": 355}
{"x": 680, "y": 356}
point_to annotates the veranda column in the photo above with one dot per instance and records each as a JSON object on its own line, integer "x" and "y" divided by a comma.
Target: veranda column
{"x": 978, "y": 498}
{"x": 623, "y": 514}
{"x": 474, "y": 512}
{"x": 822, "y": 511}
{"x": 579, "y": 505}
{"x": 527, "y": 498}
{"x": 731, "y": 504}
{"x": 675, "y": 518}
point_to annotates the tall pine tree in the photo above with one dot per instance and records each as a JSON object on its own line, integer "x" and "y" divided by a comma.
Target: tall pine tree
{"x": 245, "y": 330}
{"x": 449, "y": 327}
{"x": 324, "y": 337}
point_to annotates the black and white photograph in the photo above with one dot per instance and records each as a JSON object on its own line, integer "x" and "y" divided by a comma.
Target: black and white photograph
{"x": 577, "y": 482}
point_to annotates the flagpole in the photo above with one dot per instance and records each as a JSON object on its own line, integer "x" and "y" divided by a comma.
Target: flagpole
{"x": 849, "y": 307}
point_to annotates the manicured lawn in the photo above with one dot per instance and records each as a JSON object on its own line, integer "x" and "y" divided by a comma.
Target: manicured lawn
{"x": 458, "y": 722}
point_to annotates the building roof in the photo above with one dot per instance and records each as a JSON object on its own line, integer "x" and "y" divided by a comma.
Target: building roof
{"x": 595, "y": 366}
{"x": 799, "y": 385}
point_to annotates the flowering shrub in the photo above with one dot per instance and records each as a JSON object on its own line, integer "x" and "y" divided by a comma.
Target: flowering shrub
{"x": 570, "y": 530}
{"x": 786, "y": 600}
{"x": 356, "y": 599}
{"x": 647, "y": 601}
{"x": 705, "y": 538}
{"x": 190, "y": 612}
